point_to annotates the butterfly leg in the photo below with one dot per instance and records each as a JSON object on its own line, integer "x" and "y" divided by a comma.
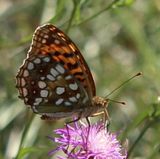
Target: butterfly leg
{"x": 88, "y": 131}
{"x": 106, "y": 117}
{"x": 73, "y": 121}
{"x": 66, "y": 151}
{"x": 67, "y": 123}
{"x": 86, "y": 138}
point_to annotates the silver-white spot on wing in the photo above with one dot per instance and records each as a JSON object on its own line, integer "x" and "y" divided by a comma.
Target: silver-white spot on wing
{"x": 56, "y": 41}
{"x": 30, "y": 66}
{"x": 42, "y": 84}
{"x": 44, "y": 41}
{"x": 26, "y": 99}
{"x": 54, "y": 72}
{"x": 42, "y": 78}
{"x": 50, "y": 77}
{"x": 46, "y": 36}
{"x": 25, "y": 92}
{"x": 60, "y": 69}
{"x": 59, "y": 101}
{"x": 73, "y": 99}
{"x": 67, "y": 103}
{"x": 37, "y": 101}
{"x": 68, "y": 77}
{"x": 60, "y": 90}
{"x": 44, "y": 93}
{"x": 46, "y": 59}
{"x": 25, "y": 73}
{"x": 73, "y": 86}
{"x": 37, "y": 61}
{"x": 78, "y": 95}
{"x": 23, "y": 82}
{"x": 34, "y": 109}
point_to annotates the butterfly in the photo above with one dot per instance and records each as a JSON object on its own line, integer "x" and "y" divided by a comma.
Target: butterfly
{"x": 55, "y": 80}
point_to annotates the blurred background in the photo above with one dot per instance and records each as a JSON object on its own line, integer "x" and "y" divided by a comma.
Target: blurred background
{"x": 117, "y": 38}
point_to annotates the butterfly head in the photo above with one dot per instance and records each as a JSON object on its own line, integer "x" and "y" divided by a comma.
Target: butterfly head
{"x": 99, "y": 102}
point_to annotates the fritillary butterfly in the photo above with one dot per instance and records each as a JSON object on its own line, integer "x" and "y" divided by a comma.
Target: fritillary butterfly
{"x": 54, "y": 79}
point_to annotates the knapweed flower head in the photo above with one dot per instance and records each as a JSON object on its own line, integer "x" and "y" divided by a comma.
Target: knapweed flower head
{"x": 88, "y": 142}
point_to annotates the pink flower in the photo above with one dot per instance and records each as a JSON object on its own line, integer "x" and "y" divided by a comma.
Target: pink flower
{"x": 84, "y": 142}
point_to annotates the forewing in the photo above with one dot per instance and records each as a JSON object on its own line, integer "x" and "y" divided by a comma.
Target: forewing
{"x": 54, "y": 77}
{"x": 48, "y": 39}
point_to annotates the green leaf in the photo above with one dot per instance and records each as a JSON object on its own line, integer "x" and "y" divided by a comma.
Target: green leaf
{"x": 27, "y": 150}
{"x": 123, "y": 3}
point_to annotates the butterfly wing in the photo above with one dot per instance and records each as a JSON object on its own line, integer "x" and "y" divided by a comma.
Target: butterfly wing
{"x": 48, "y": 39}
{"x": 54, "y": 77}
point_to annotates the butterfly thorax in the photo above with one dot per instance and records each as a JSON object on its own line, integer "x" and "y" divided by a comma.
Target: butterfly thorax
{"x": 98, "y": 105}
{"x": 99, "y": 102}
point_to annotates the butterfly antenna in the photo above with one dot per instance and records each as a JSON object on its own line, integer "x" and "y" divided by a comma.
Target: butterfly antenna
{"x": 138, "y": 74}
{"x": 119, "y": 102}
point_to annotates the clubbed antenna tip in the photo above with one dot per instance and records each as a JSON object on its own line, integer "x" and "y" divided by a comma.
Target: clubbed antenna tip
{"x": 123, "y": 103}
{"x": 120, "y": 102}
{"x": 139, "y": 74}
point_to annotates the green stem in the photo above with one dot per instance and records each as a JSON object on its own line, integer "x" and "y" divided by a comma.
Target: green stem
{"x": 150, "y": 122}
{"x": 72, "y": 16}
{"x": 24, "y": 134}
{"x": 98, "y": 13}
